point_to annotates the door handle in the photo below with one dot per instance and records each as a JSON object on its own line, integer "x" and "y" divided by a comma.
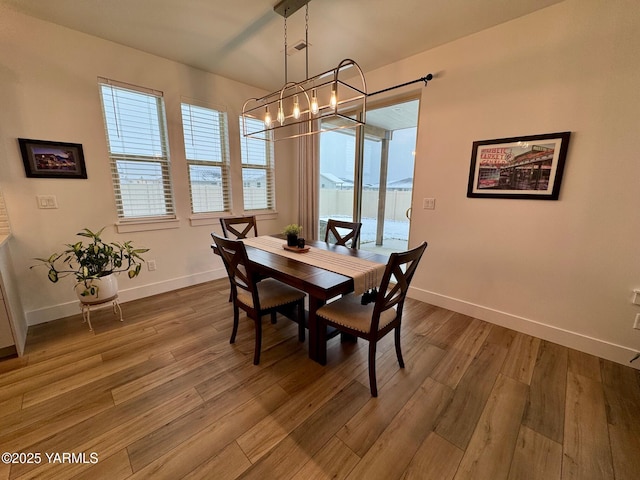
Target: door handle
{"x": 408, "y": 214}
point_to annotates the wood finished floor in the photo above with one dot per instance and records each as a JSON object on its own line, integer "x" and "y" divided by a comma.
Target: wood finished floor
{"x": 164, "y": 395}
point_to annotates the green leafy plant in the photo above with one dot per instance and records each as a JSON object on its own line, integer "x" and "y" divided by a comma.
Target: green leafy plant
{"x": 93, "y": 260}
{"x": 292, "y": 229}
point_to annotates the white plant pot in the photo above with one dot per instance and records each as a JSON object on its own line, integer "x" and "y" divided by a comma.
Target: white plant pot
{"x": 97, "y": 290}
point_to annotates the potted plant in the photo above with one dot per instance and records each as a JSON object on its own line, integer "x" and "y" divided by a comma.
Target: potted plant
{"x": 292, "y": 231}
{"x": 94, "y": 264}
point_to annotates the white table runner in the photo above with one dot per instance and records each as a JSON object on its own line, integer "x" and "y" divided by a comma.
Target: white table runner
{"x": 365, "y": 273}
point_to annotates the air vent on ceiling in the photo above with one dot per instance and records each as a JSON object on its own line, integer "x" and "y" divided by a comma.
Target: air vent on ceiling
{"x": 297, "y": 46}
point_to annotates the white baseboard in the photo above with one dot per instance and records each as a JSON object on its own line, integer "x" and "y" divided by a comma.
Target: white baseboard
{"x": 599, "y": 348}
{"x": 575, "y": 340}
{"x": 34, "y": 317}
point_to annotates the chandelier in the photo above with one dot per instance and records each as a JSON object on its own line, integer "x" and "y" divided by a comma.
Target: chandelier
{"x": 332, "y": 100}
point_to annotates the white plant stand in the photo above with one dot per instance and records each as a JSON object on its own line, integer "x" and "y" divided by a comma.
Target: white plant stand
{"x": 103, "y": 302}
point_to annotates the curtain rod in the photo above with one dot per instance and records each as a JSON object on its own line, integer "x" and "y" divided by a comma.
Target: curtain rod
{"x": 424, "y": 79}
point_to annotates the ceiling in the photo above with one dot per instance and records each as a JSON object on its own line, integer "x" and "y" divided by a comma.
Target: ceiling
{"x": 244, "y": 39}
{"x": 394, "y": 117}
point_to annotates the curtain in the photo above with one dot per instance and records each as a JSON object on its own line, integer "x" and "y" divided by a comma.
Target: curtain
{"x": 308, "y": 180}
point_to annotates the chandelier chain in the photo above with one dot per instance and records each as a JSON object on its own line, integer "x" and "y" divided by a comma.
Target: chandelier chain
{"x": 285, "y": 50}
{"x": 306, "y": 41}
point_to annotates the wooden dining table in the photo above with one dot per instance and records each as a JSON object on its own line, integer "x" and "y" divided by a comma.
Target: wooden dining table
{"x": 319, "y": 284}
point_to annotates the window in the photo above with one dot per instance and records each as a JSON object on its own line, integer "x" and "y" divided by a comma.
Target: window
{"x": 257, "y": 170}
{"x": 138, "y": 149}
{"x": 206, "y": 148}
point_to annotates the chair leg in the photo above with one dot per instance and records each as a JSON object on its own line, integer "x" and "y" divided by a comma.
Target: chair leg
{"x": 274, "y": 317}
{"x": 256, "y": 354}
{"x": 373, "y": 384}
{"x": 236, "y": 318}
{"x": 398, "y": 348}
{"x": 300, "y": 316}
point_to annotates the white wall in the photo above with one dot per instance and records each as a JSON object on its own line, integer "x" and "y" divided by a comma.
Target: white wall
{"x": 563, "y": 270}
{"x": 49, "y": 91}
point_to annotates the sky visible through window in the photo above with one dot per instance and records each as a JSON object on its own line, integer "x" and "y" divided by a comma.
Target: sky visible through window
{"x": 337, "y": 151}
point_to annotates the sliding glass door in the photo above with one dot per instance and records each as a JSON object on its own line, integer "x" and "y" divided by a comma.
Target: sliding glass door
{"x": 337, "y": 169}
{"x": 372, "y": 184}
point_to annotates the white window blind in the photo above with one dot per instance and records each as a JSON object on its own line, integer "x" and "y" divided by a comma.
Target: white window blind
{"x": 206, "y": 144}
{"x": 4, "y": 218}
{"x": 136, "y": 132}
{"x": 257, "y": 169}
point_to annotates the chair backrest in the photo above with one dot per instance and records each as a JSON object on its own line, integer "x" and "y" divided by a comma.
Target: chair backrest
{"x": 341, "y": 237}
{"x": 395, "y": 281}
{"x": 239, "y": 227}
{"x": 236, "y": 262}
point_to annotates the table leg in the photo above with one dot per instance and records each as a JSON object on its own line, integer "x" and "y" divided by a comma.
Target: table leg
{"x": 317, "y": 335}
{"x": 348, "y": 338}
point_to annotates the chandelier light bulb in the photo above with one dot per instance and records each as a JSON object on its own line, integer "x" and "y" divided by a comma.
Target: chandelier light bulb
{"x": 334, "y": 98}
{"x": 314, "y": 102}
{"x": 267, "y": 117}
{"x": 296, "y": 107}
{"x": 280, "y": 114}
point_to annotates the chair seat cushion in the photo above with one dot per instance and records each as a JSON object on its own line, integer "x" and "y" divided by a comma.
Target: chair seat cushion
{"x": 349, "y": 311}
{"x": 272, "y": 293}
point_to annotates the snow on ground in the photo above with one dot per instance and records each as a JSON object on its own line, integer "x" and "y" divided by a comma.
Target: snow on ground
{"x": 392, "y": 229}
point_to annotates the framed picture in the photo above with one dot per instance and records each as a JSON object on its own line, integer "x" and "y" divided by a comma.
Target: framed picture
{"x": 45, "y": 159}
{"x": 520, "y": 167}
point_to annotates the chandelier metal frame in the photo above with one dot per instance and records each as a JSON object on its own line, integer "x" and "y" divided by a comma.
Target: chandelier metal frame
{"x": 321, "y": 103}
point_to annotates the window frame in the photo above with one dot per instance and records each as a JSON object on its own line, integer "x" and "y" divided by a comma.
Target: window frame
{"x": 224, "y": 163}
{"x": 268, "y": 167}
{"x": 152, "y": 220}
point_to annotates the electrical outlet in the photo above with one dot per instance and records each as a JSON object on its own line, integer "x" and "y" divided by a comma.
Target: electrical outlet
{"x": 151, "y": 265}
{"x": 636, "y": 324}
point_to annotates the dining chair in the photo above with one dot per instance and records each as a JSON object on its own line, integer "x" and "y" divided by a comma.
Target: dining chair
{"x": 256, "y": 296}
{"x": 239, "y": 227}
{"x": 374, "y": 320}
{"x": 336, "y": 229}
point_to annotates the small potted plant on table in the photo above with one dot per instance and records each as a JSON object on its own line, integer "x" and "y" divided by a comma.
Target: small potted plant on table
{"x": 292, "y": 231}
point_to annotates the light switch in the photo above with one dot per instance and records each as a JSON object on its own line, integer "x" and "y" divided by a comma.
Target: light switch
{"x": 47, "y": 201}
{"x": 429, "y": 203}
